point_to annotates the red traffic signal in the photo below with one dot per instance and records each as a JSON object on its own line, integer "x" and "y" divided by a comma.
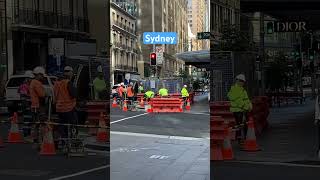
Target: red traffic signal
{"x": 153, "y": 59}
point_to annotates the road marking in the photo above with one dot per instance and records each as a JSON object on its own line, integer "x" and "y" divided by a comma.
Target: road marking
{"x": 158, "y": 157}
{"x": 128, "y": 118}
{"x": 80, "y": 173}
{"x": 277, "y": 164}
{"x": 132, "y": 150}
{"x": 157, "y": 136}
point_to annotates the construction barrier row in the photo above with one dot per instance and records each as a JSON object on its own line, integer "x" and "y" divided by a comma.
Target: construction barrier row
{"x": 47, "y": 146}
{"x": 223, "y": 127}
{"x": 156, "y": 105}
{"x": 173, "y": 95}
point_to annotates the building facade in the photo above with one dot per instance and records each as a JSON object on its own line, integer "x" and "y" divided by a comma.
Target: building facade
{"x": 169, "y": 16}
{"x": 222, "y": 12}
{"x": 37, "y": 31}
{"x": 197, "y": 11}
{"x": 124, "y": 53}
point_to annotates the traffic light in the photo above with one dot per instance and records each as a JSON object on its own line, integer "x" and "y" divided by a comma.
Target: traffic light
{"x": 270, "y": 27}
{"x": 153, "y": 59}
{"x": 311, "y": 54}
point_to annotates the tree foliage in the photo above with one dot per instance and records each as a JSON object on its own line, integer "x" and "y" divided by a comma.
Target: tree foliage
{"x": 276, "y": 74}
{"x": 233, "y": 39}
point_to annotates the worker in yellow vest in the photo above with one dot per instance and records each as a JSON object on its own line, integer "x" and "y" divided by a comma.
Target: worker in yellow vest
{"x": 163, "y": 92}
{"x": 185, "y": 94}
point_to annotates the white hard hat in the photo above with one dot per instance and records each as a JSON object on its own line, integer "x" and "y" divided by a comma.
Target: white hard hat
{"x": 68, "y": 68}
{"x": 29, "y": 74}
{"x": 99, "y": 69}
{"x": 241, "y": 77}
{"x": 121, "y": 84}
{"x": 185, "y": 86}
{"x": 39, "y": 70}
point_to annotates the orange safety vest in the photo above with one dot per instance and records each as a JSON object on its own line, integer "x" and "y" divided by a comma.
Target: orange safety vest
{"x": 64, "y": 101}
{"x": 130, "y": 92}
{"x": 36, "y": 92}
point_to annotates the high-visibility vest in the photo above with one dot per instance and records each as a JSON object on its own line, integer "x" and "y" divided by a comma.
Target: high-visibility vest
{"x": 64, "y": 101}
{"x": 130, "y": 92}
{"x": 184, "y": 92}
{"x": 239, "y": 99}
{"x": 163, "y": 92}
{"x": 36, "y": 92}
{"x": 149, "y": 94}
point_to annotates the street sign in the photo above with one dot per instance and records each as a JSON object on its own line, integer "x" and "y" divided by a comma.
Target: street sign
{"x": 159, "y": 57}
{"x": 127, "y": 76}
{"x": 203, "y": 35}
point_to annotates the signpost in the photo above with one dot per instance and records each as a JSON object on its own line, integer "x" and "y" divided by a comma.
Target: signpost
{"x": 203, "y": 35}
{"x": 159, "y": 52}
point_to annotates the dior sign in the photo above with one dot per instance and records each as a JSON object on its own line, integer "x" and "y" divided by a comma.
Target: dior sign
{"x": 290, "y": 26}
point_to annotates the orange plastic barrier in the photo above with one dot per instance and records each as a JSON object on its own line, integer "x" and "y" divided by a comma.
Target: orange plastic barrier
{"x": 166, "y": 105}
{"x": 94, "y": 110}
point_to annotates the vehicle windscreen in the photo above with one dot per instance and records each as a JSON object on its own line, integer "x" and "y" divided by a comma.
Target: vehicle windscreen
{"x": 16, "y": 82}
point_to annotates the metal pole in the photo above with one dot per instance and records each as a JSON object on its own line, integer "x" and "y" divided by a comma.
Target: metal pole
{"x": 153, "y": 30}
{"x": 262, "y": 53}
{"x": 301, "y": 68}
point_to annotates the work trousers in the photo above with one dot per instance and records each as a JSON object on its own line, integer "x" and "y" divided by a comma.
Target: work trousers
{"x": 67, "y": 118}
{"x": 239, "y": 117}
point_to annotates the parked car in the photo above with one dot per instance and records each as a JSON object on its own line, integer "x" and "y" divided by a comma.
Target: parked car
{"x": 12, "y": 97}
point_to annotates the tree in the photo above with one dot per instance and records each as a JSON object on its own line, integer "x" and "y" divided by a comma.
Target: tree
{"x": 277, "y": 73}
{"x": 233, "y": 39}
{"x": 196, "y": 84}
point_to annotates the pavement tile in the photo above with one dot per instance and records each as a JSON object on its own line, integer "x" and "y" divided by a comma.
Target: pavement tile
{"x": 189, "y": 176}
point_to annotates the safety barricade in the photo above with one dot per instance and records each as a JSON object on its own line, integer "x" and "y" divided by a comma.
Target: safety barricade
{"x": 166, "y": 105}
{"x": 94, "y": 110}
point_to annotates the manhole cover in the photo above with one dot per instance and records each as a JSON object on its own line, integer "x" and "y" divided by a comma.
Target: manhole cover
{"x": 305, "y": 162}
{"x": 23, "y": 172}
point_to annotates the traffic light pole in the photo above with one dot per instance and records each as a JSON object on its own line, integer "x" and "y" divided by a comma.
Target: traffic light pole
{"x": 153, "y": 30}
{"x": 262, "y": 53}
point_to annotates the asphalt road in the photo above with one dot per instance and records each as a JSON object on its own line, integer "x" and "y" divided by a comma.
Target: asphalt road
{"x": 171, "y": 124}
{"x": 22, "y": 161}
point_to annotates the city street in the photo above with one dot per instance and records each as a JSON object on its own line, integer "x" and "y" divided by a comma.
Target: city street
{"x": 288, "y": 149}
{"x": 22, "y": 161}
{"x": 169, "y": 146}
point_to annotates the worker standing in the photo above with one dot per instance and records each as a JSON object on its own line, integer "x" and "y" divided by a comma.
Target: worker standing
{"x": 141, "y": 88}
{"x": 121, "y": 93}
{"x": 184, "y": 94}
{"x": 148, "y": 95}
{"x": 163, "y": 92}
{"x": 99, "y": 84}
{"x": 66, "y": 102}
{"x": 37, "y": 93}
{"x": 130, "y": 94}
{"x": 240, "y": 105}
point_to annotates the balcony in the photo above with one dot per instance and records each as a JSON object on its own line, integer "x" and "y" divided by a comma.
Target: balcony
{"x": 48, "y": 19}
{"x": 124, "y": 27}
{"x": 119, "y": 66}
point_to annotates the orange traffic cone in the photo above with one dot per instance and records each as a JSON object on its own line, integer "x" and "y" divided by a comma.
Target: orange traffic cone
{"x": 149, "y": 108}
{"x": 188, "y": 107}
{"x": 47, "y": 146}
{"x": 141, "y": 103}
{"x": 216, "y": 152}
{"x": 114, "y": 103}
{"x": 14, "y": 134}
{"x": 125, "y": 107}
{"x": 250, "y": 143}
{"x": 227, "y": 148}
{"x": 102, "y": 135}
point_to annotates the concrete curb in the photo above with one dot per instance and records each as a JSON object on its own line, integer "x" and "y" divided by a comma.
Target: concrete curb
{"x": 90, "y": 143}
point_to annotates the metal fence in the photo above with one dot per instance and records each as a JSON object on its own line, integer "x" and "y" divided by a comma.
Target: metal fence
{"x": 173, "y": 85}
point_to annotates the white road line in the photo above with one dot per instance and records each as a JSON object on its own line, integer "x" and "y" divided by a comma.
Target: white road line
{"x": 277, "y": 164}
{"x": 156, "y": 136}
{"x": 80, "y": 173}
{"x": 195, "y": 113}
{"x": 128, "y": 118}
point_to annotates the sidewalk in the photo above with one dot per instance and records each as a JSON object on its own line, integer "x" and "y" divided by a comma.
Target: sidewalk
{"x": 291, "y": 136}
{"x": 159, "y": 158}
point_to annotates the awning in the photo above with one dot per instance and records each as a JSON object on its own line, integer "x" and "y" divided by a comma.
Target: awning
{"x": 195, "y": 58}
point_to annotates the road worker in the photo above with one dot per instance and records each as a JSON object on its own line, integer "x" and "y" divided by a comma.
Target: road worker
{"x": 99, "y": 84}
{"x": 66, "y": 103}
{"x": 37, "y": 94}
{"x": 130, "y": 94}
{"x": 240, "y": 105}
{"x": 184, "y": 94}
{"x": 163, "y": 92}
{"x": 148, "y": 95}
{"x": 141, "y": 88}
